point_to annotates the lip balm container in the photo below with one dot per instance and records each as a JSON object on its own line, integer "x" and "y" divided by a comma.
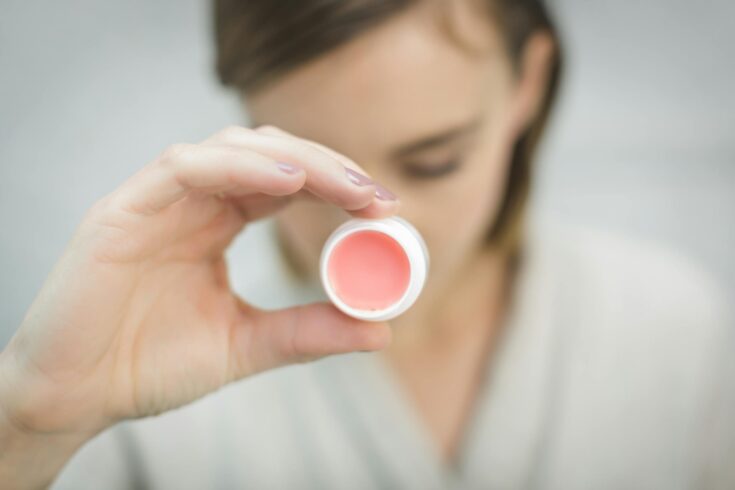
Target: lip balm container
{"x": 374, "y": 269}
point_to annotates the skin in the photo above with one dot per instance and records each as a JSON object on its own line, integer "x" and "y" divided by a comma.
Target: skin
{"x": 138, "y": 318}
{"x": 378, "y": 98}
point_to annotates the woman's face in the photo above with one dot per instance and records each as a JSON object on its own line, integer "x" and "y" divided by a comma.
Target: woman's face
{"x": 424, "y": 103}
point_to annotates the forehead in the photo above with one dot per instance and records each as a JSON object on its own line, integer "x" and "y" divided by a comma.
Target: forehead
{"x": 416, "y": 73}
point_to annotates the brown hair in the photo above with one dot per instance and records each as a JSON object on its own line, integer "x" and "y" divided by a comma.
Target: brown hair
{"x": 259, "y": 41}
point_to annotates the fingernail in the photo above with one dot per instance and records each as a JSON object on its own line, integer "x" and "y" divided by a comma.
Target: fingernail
{"x": 288, "y": 168}
{"x": 357, "y": 178}
{"x": 384, "y": 194}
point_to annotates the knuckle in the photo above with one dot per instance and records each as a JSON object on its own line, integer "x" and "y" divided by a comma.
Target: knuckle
{"x": 100, "y": 206}
{"x": 101, "y": 210}
{"x": 232, "y": 131}
{"x": 175, "y": 153}
{"x": 178, "y": 160}
{"x": 311, "y": 153}
{"x": 295, "y": 349}
{"x": 355, "y": 200}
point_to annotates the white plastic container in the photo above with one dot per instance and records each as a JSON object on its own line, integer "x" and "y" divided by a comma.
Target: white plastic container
{"x": 374, "y": 269}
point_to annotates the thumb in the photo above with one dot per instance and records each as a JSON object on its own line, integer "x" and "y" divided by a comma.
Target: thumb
{"x": 302, "y": 333}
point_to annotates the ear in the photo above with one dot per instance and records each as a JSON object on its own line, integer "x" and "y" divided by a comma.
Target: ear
{"x": 533, "y": 78}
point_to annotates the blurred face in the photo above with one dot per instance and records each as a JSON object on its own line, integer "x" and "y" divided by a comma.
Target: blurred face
{"x": 424, "y": 103}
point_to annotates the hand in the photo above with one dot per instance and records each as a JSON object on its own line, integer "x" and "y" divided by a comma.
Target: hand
{"x": 138, "y": 317}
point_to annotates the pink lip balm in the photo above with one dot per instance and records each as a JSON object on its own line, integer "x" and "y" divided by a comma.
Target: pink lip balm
{"x": 374, "y": 269}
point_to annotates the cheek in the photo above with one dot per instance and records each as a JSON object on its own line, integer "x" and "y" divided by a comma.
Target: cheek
{"x": 474, "y": 204}
{"x": 455, "y": 216}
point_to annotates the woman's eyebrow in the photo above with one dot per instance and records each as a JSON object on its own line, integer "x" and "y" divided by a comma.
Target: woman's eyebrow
{"x": 437, "y": 139}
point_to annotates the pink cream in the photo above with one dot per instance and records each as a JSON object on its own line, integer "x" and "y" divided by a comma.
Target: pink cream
{"x": 369, "y": 270}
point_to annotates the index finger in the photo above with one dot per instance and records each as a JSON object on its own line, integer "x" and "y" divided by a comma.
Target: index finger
{"x": 386, "y": 203}
{"x": 329, "y": 175}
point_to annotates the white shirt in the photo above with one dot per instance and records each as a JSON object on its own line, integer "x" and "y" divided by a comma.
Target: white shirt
{"x": 615, "y": 372}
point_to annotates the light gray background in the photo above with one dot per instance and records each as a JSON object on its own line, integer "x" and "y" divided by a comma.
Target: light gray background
{"x": 91, "y": 90}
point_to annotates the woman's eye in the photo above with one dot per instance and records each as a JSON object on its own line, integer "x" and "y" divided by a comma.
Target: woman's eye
{"x": 426, "y": 171}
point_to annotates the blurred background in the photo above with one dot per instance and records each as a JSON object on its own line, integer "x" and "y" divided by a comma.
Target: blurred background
{"x": 90, "y": 91}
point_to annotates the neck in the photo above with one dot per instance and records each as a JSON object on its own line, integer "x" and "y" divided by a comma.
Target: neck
{"x": 467, "y": 304}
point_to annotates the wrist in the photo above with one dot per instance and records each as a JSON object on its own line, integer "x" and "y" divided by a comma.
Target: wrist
{"x": 32, "y": 461}
{"x": 29, "y": 458}
{"x": 35, "y": 404}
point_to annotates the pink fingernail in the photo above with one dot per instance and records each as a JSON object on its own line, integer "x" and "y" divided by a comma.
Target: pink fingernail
{"x": 384, "y": 194}
{"x": 357, "y": 178}
{"x": 288, "y": 168}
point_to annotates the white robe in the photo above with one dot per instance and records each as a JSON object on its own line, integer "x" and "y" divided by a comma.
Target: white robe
{"x": 615, "y": 372}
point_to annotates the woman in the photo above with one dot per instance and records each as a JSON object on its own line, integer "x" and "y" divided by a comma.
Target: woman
{"x": 546, "y": 359}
